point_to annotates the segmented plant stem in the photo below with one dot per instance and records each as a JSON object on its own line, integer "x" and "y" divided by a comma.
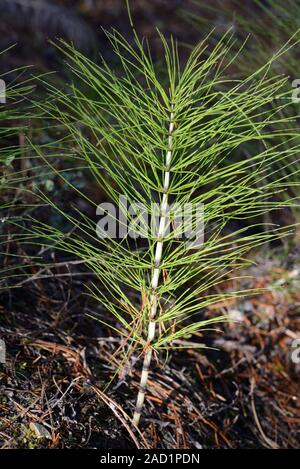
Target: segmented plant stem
{"x": 155, "y": 275}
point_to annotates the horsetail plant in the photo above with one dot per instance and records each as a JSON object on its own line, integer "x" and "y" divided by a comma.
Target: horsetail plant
{"x": 159, "y": 136}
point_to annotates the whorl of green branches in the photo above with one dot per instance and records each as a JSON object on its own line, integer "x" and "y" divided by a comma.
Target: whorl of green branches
{"x": 265, "y": 27}
{"x": 163, "y": 134}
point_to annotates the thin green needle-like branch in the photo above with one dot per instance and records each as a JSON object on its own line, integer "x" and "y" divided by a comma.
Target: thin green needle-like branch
{"x": 166, "y": 136}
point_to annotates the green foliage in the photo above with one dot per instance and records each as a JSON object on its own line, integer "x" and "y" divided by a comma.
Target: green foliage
{"x": 263, "y": 27}
{"x": 171, "y": 144}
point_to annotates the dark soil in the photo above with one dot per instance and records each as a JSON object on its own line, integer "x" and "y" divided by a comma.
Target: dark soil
{"x": 243, "y": 395}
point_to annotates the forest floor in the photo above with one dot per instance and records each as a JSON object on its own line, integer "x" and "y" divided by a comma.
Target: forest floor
{"x": 242, "y": 393}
